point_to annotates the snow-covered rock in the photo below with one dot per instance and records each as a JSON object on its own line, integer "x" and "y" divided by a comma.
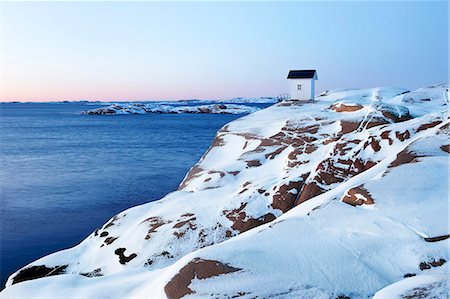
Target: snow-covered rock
{"x": 341, "y": 197}
{"x": 136, "y": 108}
{"x": 434, "y": 285}
{"x": 254, "y": 100}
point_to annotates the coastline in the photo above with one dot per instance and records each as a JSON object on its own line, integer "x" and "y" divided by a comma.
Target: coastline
{"x": 267, "y": 173}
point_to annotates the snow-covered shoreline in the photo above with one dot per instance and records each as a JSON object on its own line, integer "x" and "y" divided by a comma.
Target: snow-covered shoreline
{"x": 341, "y": 197}
{"x": 138, "y": 108}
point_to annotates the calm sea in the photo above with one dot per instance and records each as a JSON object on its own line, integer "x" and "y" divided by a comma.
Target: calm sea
{"x": 64, "y": 174}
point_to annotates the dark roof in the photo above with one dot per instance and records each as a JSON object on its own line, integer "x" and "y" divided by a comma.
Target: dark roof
{"x": 302, "y": 74}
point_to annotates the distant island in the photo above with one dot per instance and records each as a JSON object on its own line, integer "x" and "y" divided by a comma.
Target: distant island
{"x": 139, "y": 108}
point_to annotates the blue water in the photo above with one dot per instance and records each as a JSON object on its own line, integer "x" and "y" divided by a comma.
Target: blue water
{"x": 64, "y": 174}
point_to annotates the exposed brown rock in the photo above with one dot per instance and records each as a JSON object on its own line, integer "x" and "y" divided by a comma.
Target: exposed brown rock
{"x": 193, "y": 173}
{"x": 290, "y": 134}
{"x": 402, "y": 136}
{"x": 404, "y": 157}
{"x": 275, "y": 153}
{"x": 179, "y": 235}
{"x": 272, "y": 141}
{"x": 183, "y": 226}
{"x": 375, "y": 122}
{"x": 432, "y": 263}
{"x": 243, "y": 190}
{"x": 246, "y": 184}
{"x": 248, "y": 136}
{"x": 429, "y": 125}
{"x": 329, "y": 175}
{"x": 292, "y": 164}
{"x": 312, "y": 129}
{"x": 363, "y": 165}
{"x": 385, "y": 135}
{"x": 329, "y": 140}
{"x": 154, "y": 223}
{"x": 341, "y": 148}
{"x": 234, "y": 172}
{"x": 218, "y": 141}
{"x": 331, "y": 171}
{"x": 189, "y": 222}
{"x": 375, "y": 144}
{"x": 444, "y": 129}
{"x": 197, "y": 268}
{"x": 187, "y": 215}
{"x": 110, "y": 240}
{"x": 309, "y": 191}
{"x": 396, "y": 118}
{"x": 348, "y": 126}
{"x": 166, "y": 254}
{"x": 254, "y": 163}
{"x": 239, "y": 294}
{"x": 358, "y": 196}
{"x": 446, "y": 148}
{"x": 242, "y": 223}
{"x": 293, "y": 154}
{"x": 95, "y": 273}
{"x": 310, "y": 148}
{"x": 34, "y": 272}
{"x": 283, "y": 199}
{"x": 437, "y": 239}
{"x": 341, "y": 107}
{"x": 421, "y": 292}
{"x": 221, "y": 173}
{"x": 202, "y": 236}
{"x": 112, "y": 222}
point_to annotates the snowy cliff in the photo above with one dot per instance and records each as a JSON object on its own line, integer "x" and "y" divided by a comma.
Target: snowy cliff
{"x": 342, "y": 197}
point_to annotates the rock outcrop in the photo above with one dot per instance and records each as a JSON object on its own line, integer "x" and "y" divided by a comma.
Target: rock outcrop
{"x": 349, "y": 188}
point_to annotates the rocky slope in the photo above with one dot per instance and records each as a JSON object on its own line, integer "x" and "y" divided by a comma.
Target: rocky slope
{"x": 341, "y": 197}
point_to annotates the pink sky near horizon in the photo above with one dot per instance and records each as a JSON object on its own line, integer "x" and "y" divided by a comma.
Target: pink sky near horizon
{"x": 166, "y": 86}
{"x": 125, "y": 91}
{"x": 131, "y": 51}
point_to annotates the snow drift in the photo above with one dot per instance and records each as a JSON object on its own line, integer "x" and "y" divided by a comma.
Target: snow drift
{"x": 342, "y": 197}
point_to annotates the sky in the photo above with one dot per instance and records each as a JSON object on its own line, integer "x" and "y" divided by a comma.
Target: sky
{"x": 123, "y": 51}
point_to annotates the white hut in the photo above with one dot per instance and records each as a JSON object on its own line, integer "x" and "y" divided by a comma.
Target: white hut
{"x": 301, "y": 84}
